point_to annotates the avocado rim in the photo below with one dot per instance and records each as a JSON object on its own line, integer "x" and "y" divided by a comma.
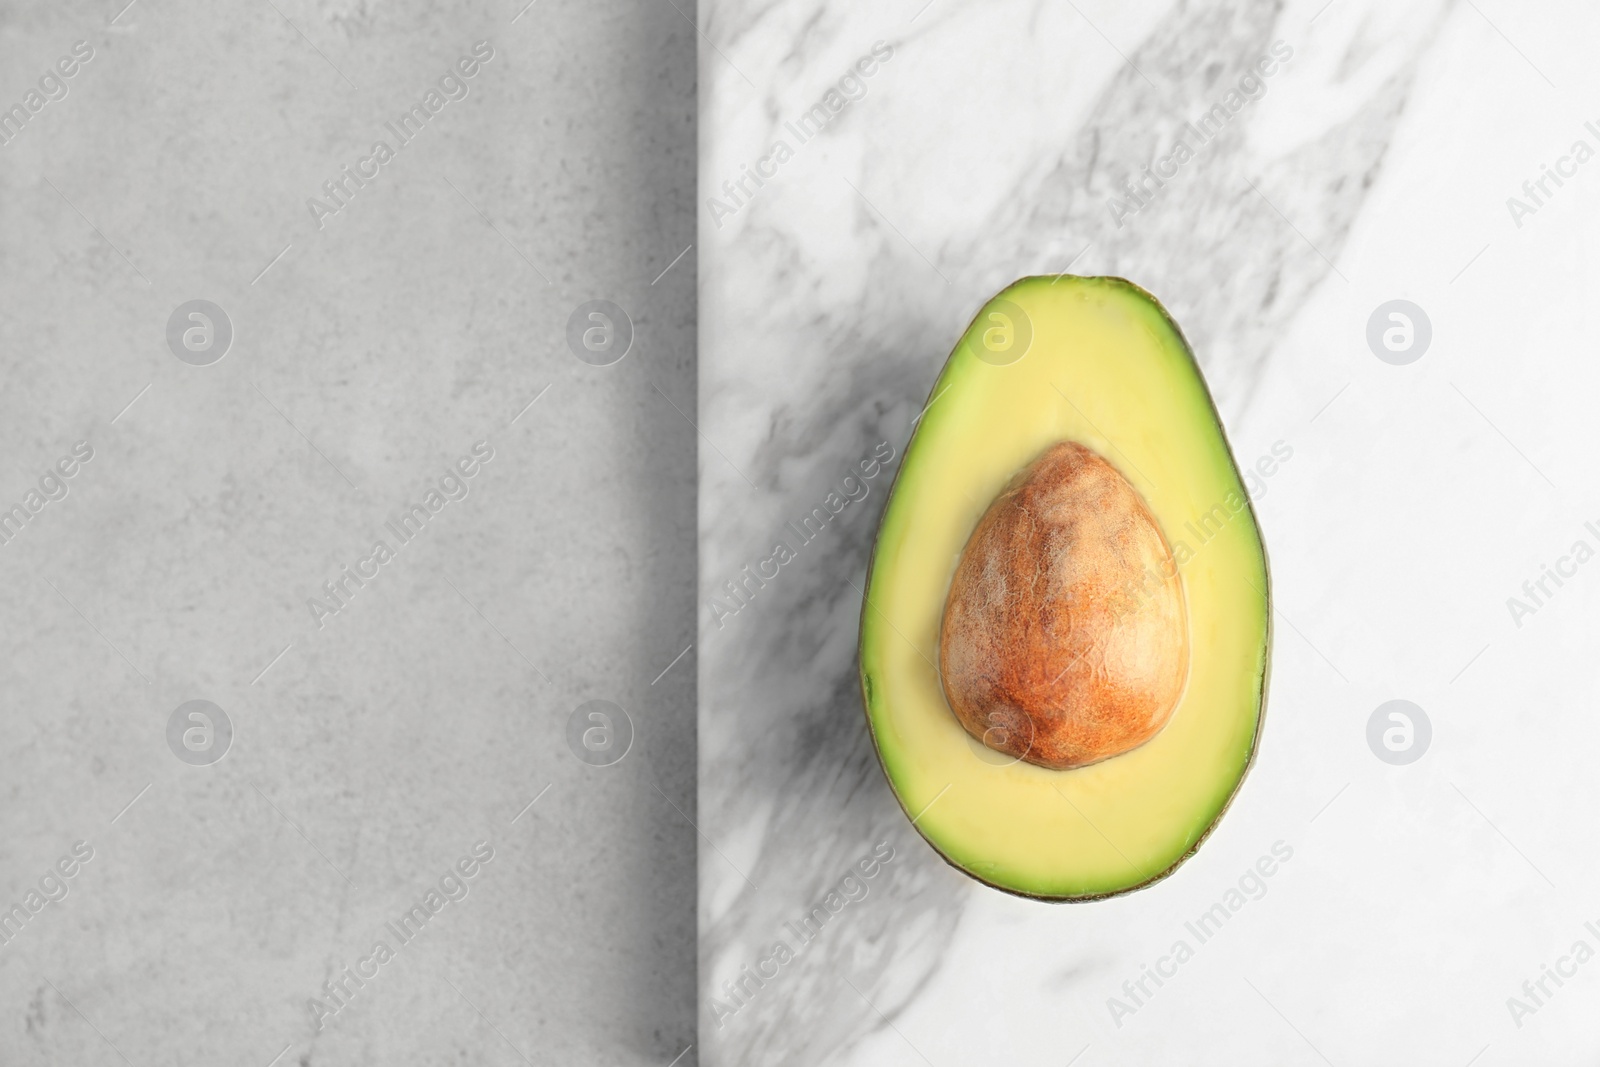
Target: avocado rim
{"x": 1266, "y": 593}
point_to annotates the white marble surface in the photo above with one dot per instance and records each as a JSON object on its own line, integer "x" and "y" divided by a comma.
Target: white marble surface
{"x": 1376, "y": 165}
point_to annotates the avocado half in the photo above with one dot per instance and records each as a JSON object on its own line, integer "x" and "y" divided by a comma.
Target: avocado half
{"x": 1097, "y": 362}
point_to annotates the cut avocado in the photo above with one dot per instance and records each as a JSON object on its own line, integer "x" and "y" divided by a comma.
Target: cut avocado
{"x": 1056, "y": 378}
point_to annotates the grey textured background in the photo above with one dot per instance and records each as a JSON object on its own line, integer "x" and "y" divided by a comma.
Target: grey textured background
{"x": 426, "y": 715}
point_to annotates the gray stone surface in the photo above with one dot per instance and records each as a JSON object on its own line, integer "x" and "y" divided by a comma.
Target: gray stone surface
{"x": 391, "y": 736}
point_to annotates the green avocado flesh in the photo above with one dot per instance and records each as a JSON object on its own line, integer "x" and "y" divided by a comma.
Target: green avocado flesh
{"x": 1098, "y": 362}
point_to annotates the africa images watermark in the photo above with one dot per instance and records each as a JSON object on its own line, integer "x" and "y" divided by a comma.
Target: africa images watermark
{"x": 1536, "y": 992}
{"x": 1139, "y": 592}
{"x": 850, "y": 889}
{"x": 1251, "y": 885}
{"x": 54, "y": 84}
{"x": 453, "y": 887}
{"x": 849, "y": 89}
{"x": 53, "y": 485}
{"x": 1204, "y": 528}
{"x": 453, "y": 485}
{"x": 742, "y": 589}
{"x": 52, "y": 889}
{"x": 1538, "y": 590}
{"x": 1252, "y": 86}
{"x": 453, "y": 85}
{"x": 1538, "y": 191}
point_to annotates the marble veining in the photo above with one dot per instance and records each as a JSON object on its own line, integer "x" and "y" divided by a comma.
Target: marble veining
{"x": 999, "y": 140}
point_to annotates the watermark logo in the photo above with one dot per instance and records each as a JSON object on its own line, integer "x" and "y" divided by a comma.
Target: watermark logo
{"x": 599, "y": 733}
{"x": 199, "y": 733}
{"x": 199, "y": 333}
{"x": 1005, "y": 333}
{"x": 1399, "y": 732}
{"x": 1002, "y": 728}
{"x": 1399, "y": 332}
{"x": 599, "y": 333}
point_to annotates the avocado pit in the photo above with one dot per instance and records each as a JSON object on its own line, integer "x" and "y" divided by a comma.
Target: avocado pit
{"x": 1065, "y": 640}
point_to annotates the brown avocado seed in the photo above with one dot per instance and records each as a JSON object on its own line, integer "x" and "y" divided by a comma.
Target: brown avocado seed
{"x": 1065, "y": 640}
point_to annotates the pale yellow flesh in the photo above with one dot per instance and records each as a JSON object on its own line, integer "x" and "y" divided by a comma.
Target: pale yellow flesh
{"x": 1104, "y": 369}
